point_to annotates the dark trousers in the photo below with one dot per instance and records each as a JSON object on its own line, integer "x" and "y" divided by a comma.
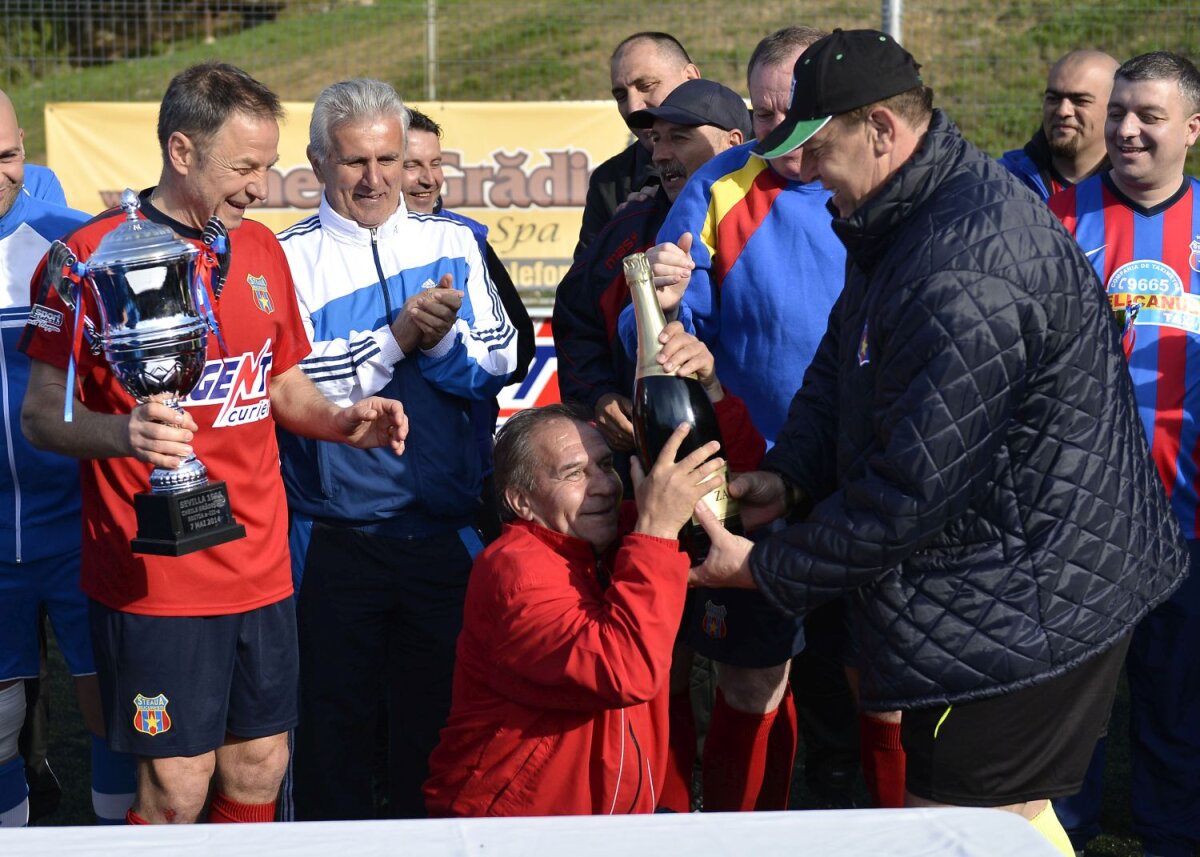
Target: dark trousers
{"x": 378, "y": 622}
{"x": 1163, "y": 666}
{"x": 45, "y": 793}
{"x": 825, "y": 709}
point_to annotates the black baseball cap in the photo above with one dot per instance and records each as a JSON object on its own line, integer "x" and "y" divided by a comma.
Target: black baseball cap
{"x": 845, "y": 70}
{"x": 697, "y": 102}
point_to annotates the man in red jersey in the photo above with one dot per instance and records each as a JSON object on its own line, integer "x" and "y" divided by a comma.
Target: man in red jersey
{"x": 197, "y": 656}
{"x": 1139, "y": 226}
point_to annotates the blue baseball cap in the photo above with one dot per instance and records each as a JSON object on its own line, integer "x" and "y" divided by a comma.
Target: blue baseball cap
{"x": 697, "y": 102}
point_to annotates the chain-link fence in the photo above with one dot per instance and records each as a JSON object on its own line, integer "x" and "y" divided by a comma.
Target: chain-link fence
{"x": 986, "y": 62}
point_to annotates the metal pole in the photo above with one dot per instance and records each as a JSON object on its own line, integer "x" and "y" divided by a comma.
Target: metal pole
{"x": 893, "y": 18}
{"x": 430, "y": 50}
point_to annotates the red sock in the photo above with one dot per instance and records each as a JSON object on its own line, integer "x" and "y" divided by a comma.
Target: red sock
{"x": 781, "y": 756}
{"x": 222, "y": 810}
{"x": 735, "y": 757}
{"x": 882, "y": 760}
{"x": 676, "y": 792}
{"x": 132, "y": 817}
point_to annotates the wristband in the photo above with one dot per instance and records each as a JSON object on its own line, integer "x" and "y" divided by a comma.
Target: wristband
{"x": 793, "y": 495}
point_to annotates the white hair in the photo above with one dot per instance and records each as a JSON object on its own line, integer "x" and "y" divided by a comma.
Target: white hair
{"x": 352, "y": 101}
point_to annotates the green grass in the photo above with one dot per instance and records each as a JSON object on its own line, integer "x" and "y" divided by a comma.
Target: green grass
{"x": 987, "y": 64}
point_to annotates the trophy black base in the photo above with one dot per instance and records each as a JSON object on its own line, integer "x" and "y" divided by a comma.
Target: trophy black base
{"x": 178, "y": 524}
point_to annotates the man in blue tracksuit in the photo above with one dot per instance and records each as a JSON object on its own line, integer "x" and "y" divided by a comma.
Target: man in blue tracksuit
{"x": 397, "y": 304}
{"x": 39, "y": 527}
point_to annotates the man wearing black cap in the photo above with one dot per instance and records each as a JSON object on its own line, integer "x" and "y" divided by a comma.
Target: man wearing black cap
{"x": 761, "y": 276}
{"x": 698, "y": 120}
{"x": 965, "y": 458}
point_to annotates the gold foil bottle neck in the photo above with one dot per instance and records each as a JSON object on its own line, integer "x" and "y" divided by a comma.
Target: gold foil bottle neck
{"x": 647, "y": 312}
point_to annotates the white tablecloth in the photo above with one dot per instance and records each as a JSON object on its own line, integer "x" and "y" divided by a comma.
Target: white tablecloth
{"x": 895, "y": 833}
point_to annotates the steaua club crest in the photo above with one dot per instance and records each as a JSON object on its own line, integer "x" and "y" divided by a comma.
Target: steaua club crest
{"x": 713, "y": 623}
{"x": 1194, "y": 256}
{"x": 864, "y": 347}
{"x": 151, "y": 717}
{"x": 262, "y": 298}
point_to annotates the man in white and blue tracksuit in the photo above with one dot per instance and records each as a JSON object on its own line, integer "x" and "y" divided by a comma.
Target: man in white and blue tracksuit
{"x": 396, "y": 304}
{"x": 39, "y": 525}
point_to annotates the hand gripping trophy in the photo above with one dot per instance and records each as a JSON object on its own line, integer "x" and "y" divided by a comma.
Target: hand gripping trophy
{"x": 151, "y": 291}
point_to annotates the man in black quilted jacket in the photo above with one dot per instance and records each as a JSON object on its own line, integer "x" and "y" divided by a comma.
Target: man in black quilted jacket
{"x": 964, "y": 460}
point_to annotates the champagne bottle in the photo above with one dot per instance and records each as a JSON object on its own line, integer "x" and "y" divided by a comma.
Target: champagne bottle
{"x": 662, "y": 401}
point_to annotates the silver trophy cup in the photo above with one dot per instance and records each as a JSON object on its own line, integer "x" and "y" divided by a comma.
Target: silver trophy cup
{"x": 153, "y": 333}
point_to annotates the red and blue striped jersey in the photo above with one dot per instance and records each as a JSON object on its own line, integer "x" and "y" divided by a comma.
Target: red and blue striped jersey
{"x": 1149, "y": 263}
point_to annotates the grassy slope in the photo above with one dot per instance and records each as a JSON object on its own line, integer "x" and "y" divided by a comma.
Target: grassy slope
{"x": 486, "y": 52}
{"x": 987, "y": 68}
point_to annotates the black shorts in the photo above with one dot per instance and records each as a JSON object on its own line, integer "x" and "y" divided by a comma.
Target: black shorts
{"x": 740, "y": 627}
{"x": 1029, "y": 744}
{"x": 176, "y": 685}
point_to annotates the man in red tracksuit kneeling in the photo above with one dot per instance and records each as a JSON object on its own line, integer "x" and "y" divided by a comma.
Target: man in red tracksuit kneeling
{"x": 560, "y": 686}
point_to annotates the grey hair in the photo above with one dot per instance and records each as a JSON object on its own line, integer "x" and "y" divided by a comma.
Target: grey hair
{"x": 352, "y": 101}
{"x": 1163, "y": 65}
{"x": 514, "y": 456}
{"x": 781, "y": 45}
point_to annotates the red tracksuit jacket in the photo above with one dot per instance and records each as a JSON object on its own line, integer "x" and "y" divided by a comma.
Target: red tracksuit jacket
{"x": 560, "y": 689}
{"x": 560, "y": 686}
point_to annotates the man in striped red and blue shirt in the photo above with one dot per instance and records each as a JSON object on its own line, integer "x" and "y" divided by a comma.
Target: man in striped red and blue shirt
{"x": 1139, "y": 224}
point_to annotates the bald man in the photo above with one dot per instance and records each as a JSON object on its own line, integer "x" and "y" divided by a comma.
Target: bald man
{"x": 39, "y": 546}
{"x": 645, "y": 68}
{"x": 1069, "y": 146}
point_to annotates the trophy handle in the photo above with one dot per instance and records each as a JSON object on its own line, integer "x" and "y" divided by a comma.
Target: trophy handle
{"x": 65, "y": 273}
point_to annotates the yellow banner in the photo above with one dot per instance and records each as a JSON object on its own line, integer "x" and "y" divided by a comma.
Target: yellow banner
{"x": 520, "y": 168}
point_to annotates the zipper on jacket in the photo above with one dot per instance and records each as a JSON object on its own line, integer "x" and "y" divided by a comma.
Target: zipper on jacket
{"x": 602, "y": 576}
{"x": 387, "y": 308}
{"x": 12, "y": 458}
{"x": 387, "y": 298}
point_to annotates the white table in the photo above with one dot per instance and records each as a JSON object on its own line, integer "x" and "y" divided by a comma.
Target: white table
{"x": 860, "y": 832}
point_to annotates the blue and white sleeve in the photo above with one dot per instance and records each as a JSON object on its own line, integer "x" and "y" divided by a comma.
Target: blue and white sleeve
{"x": 478, "y": 354}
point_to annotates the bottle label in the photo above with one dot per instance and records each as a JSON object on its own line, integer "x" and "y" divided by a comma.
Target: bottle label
{"x": 719, "y": 500}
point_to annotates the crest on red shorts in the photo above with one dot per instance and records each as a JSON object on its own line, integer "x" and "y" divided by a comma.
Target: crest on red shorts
{"x": 151, "y": 717}
{"x": 713, "y": 623}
